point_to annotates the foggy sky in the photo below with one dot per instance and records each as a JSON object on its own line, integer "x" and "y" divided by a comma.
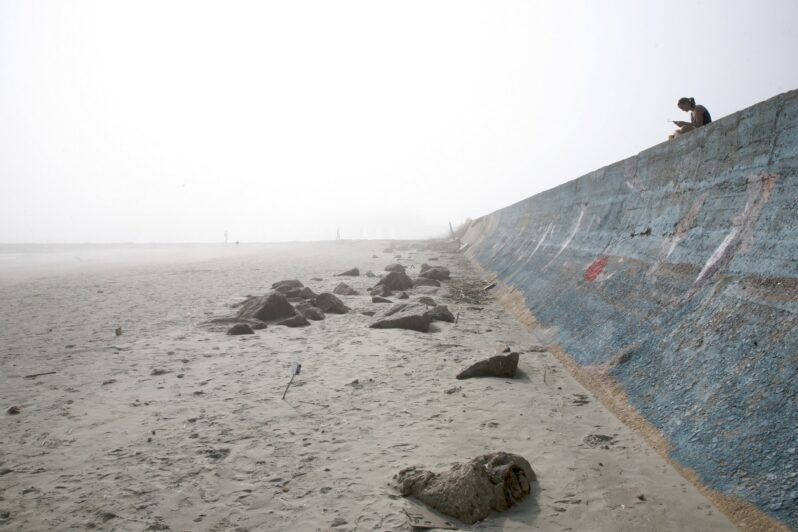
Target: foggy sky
{"x": 174, "y": 121}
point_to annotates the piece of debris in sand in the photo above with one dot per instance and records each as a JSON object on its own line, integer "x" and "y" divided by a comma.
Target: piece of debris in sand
{"x": 580, "y": 399}
{"x": 13, "y": 410}
{"x": 503, "y": 366}
{"x": 296, "y": 368}
{"x": 34, "y": 375}
{"x": 402, "y": 316}
{"x": 354, "y": 272}
{"x": 240, "y": 328}
{"x": 378, "y": 299}
{"x": 470, "y": 491}
{"x": 598, "y": 440}
{"x": 344, "y": 289}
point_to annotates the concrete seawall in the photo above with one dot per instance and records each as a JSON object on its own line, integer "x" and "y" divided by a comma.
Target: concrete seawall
{"x": 669, "y": 281}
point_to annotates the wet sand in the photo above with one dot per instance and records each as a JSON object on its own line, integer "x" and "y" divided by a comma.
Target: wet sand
{"x": 172, "y": 426}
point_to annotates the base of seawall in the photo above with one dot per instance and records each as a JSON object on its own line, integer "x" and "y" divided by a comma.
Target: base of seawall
{"x": 596, "y": 378}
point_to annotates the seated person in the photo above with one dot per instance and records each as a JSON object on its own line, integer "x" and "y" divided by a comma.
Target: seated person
{"x": 699, "y": 116}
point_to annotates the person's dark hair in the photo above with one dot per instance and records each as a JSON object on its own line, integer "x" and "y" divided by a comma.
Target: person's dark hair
{"x": 685, "y": 100}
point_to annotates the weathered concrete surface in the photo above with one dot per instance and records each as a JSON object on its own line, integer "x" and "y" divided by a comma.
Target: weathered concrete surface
{"x": 675, "y": 274}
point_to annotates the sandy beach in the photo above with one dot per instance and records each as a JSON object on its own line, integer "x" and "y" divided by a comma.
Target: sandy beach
{"x": 176, "y": 426}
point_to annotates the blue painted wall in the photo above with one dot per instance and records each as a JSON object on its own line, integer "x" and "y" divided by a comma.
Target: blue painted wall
{"x": 679, "y": 268}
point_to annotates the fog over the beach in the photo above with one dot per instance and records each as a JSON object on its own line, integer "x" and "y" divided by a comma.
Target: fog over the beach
{"x": 178, "y": 121}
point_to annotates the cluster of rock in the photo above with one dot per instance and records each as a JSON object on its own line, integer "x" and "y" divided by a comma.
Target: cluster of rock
{"x": 290, "y": 304}
{"x": 413, "y": 316}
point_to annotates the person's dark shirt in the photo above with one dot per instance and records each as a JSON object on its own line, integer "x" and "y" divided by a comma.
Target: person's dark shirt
{"x": 706, "y": 117}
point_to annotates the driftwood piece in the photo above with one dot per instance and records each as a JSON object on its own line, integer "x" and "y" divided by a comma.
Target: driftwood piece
{"x": 40, "y": 374}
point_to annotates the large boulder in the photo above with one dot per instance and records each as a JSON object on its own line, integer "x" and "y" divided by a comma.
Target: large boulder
{"x": 440, "y": 313}
{"x": 295, "y": 321}
{"x": 402, "y": 316}
{"x": 307, "y": 293}
{"x": 425, "y": 267}
{"x": 403, "y": 295}
{"x": 470, "y": 491}
{"x": 423, "y": 281}
{"x": 378, "y": 299}
{"x": 287, "y": 283}
{"x": 240, "y": 328}
{"x": 439, "y": 273}
{"x": 344, "y": 289}
{"x": 503, "y": 366}
{"x": 330, "y": 304}
{"x": 354, "y": 272}
{"x": 273, "y": 306}
{"x": 396, "y": 281}
{"x": 395, "y": 267}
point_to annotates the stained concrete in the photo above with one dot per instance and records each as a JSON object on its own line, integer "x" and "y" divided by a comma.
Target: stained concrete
{"x": 675, "y": 273}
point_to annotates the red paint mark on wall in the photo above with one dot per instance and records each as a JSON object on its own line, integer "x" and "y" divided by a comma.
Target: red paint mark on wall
{"x": 595, "y": 268}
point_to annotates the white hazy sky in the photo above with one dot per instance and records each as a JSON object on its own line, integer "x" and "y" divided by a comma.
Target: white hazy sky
{"x": 173, "y": 121}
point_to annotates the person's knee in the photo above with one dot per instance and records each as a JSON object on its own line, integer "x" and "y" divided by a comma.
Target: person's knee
{"x": 687, "y": 127}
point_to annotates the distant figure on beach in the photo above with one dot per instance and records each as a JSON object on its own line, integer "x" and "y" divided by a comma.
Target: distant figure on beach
{"x": 699, "y": 116}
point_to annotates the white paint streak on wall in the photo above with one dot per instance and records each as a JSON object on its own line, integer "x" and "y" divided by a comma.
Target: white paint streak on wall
{"x": 718, "y": 253}
{"x": 546, "y": 233}
{"x": 670, "y": 243}
{"x": 741, "y": 235}
{"x": 570, "y": 238}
